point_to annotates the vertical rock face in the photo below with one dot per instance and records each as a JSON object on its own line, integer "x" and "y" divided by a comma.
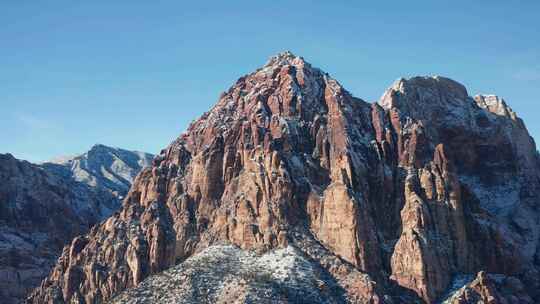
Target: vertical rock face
{"x": 464, "y": 203}
{"x": 400, "y": 196}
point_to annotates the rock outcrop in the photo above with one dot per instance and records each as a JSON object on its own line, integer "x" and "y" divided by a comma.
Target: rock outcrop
{"x": 464, "y": 203}
{"x": 43, "y": 207}
{"x": 392, "y": 201}
{"x": 490, "y": 288}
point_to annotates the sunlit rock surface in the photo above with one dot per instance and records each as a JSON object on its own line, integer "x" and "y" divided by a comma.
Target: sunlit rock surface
{"x": 383, "y": 203}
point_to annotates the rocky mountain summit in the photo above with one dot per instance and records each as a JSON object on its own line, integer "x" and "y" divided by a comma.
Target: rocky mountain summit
{"x": 43, "y": 207}
{"x": 103, "y": 167}
{"x": 291, "y": 189}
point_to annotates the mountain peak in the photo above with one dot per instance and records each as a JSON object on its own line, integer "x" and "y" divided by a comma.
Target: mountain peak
{"x": 284, "y": 58}
{"x": 422, "y": 87}
{"x": 100, "y": 147}
{"x": 286, "y": 90}
{"x": 438, "y": 99}
{"x": 287, "y": 157}
{"x": 432, "y": 100}
{"x": 495, "y": 105}
{"x": 108, "y": 167}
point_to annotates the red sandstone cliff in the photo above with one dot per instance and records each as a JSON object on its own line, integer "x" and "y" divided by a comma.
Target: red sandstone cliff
{"x": 394, "y": 200}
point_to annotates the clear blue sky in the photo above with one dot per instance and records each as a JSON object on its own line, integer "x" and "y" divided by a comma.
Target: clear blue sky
{"x": 133, "y": 74}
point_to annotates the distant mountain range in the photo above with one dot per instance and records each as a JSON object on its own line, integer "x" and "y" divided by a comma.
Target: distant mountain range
{"x": 44, "y": 206}
{"x": 103, "y": 167}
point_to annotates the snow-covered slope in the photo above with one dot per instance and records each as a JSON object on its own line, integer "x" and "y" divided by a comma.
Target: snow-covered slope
{"x": 227, "y": 274}
{"x": 104, "y": 167}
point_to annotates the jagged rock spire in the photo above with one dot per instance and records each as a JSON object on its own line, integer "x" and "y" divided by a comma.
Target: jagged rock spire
{"x": 283, "y": 58}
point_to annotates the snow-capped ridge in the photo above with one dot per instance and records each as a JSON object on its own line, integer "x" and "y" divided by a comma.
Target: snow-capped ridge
{"x": 284, "y": 58}
{"x": 495, "y": 104}
{"x": 104, "y": 166}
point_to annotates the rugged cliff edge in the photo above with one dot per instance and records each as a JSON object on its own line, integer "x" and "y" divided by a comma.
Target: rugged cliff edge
{"x": 382, "y": 203}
